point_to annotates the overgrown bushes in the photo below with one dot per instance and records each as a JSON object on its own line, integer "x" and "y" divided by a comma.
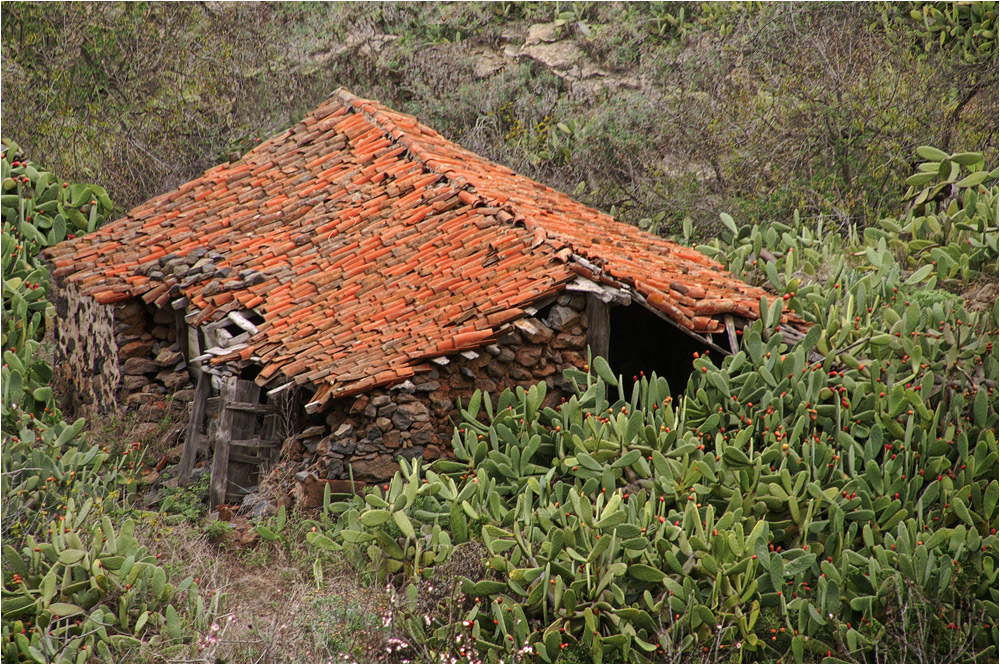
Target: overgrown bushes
{"x": 76, "y": 585}
{"x": 826, "y": 496}
{"x": 753, "y": 107}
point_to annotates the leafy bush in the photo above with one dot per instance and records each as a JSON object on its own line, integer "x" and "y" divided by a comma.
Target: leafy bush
{"x": 75, "y": 588}
{"x": 827, "y": 494}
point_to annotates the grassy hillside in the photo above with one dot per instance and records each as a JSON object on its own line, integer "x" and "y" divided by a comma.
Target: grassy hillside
{"x": 657, "y": 111}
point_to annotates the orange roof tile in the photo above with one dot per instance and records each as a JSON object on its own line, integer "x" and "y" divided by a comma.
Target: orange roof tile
{"x": 298, "y": 227}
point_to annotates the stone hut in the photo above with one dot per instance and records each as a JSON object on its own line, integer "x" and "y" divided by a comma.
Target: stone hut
{"x": 326, "y": 298}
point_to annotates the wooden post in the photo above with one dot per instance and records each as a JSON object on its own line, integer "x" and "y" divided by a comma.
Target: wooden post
{"x": 731, "y": 333}
{"x": 194, "y": 428}
{"x": 243, "y": 423}
{"x": 598, "y": 326}
{"x": 220, "y": 459}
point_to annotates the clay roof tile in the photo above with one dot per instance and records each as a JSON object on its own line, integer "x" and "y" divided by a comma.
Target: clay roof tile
{"x": 382, "y": 244}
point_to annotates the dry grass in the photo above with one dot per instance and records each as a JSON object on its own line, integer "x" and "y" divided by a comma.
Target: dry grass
{"x": 265, "y": 605}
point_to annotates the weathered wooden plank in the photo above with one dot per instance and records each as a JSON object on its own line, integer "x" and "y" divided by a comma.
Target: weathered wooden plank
{"x": 256, "y": 443}
{"x": 252, "y": 407}
{"x": 731, "y": 333}
{"x": 220, "y": 459}
{"x": 251, "y": 460}
{"x": 201, "y": 392}
{"x": 243, "y": 469}
{"x": 598, "y": 325}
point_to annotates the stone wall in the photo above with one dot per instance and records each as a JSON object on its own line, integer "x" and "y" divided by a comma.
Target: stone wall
{"x": 155, "y": 380}
{"x": 416, "y": 418}
{"x": 85, "y": 369}
{"x": 120, "y": 358}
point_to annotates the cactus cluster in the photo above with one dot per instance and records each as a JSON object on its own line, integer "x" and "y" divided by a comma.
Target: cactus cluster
{"x": 75, "y": 587}
{"x": 830, "y": 495}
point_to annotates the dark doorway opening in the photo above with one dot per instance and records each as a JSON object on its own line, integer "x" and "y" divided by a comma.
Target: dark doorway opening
{"x": 642, "y": 341}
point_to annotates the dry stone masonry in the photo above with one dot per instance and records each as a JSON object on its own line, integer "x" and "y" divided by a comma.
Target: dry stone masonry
{"x": 362, "y": 437}
{"x": 120, "y": 358}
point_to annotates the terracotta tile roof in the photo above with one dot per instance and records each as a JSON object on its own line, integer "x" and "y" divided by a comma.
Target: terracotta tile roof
{"x": 369, "y": 243}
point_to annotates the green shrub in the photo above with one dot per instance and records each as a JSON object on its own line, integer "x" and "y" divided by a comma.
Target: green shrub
{"x": 826, "y": 493}
{"x": 75, "y": 587}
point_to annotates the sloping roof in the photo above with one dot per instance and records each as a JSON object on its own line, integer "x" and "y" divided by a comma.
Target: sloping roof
{"x": 369, "y": 243}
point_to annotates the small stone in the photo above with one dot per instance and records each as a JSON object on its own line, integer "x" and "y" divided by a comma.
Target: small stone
{"x": 561, "y": 317}
{"x": 387, "y": 410}
{"x": 569, "y": 341}
{"x": 136, "y": 349}
{"x": 410, "y": 454}
{"x": 466, "y": 372}
{"x": 510, "y": 339}
{"x": 528, "y": 356}
{"x": 344, "y": 446}
{"x": 406, "y": 387}
{"x": 263, "y": 508}
{"x": 133, "y": 383}
{"x": 539, "y": 333}
{"x": 392, "y": 439}
{"x": 136, "y": 366}
{"x": 186, "y": 395}
{"x": 422, "y": 434}
{"x": 416, "y": 410}
{"x": 380, "y": 400}
{"x": 505, "y": 355}
{"x": 370, "y": 411}
{"x": 380, "y": 467}
{"x": 365, "y": 447}
{"x": 345, "y": 430}
{"x": 441, "y": 405}
{"x": 428, "y": 386}
{"x": 383, "y": 424}
{"x": 168, "y": 357}
{"x": 335, "y": 468}
{"x": 402, "y": 419}
{"x": 359, "y": 404}
{"x": 519, "y": 373}
{"x": 431, "y": 452}
{"x": 212, "y": 288}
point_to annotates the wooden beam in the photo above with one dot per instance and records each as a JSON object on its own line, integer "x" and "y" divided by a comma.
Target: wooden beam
{"x": 255, "y": 443}
{"x": 220, "y": 459}
{"x": 598, "y": 325}
{"x": 201, "y": 392}
{"x": 252, "y": 460}
{"x": 731, "y": 333}
{"x": 244, "y": 469}
{"x": 252, "y": 407}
